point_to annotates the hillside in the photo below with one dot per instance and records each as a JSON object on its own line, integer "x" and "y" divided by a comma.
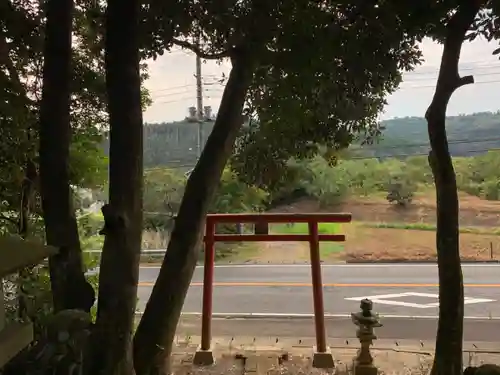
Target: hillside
{"x": 175, "y": 144}
{"x": 467, "y": 134}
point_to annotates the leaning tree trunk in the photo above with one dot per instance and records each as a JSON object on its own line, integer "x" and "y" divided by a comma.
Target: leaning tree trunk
{"x": 448, "y": 357}
{"x": 119, "y": 270}
{"x": 69, "y": 287}
{"x": 155, "y": 334}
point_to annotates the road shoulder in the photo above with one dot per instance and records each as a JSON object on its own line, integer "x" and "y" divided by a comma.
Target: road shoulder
{"x": 394, "y": 329}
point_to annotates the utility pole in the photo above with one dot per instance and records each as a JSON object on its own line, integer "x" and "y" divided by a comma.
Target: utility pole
{"x": 199, "y": 103}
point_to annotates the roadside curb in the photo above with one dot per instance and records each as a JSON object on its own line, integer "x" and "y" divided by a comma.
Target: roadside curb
{"x": 294, "y": 344}
{"x": 403, "y": 261}
{"x": 284, "y": 316}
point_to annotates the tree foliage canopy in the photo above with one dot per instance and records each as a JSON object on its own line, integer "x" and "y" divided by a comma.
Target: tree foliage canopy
{"x": 314, "y": 77}
{"x": 334, "y": 99}
{"x": 21, "y": 43}
{"x": 326, "y": 96}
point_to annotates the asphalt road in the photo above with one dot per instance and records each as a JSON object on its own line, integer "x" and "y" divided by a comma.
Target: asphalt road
{"x": 397, "y": 290}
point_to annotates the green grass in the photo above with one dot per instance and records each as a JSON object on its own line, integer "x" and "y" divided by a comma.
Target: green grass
{"x": 302, "y": 228}
{"x": 325, "y": 248}
{"x": 235, "y": 252}
{"x": 430, "y": 227}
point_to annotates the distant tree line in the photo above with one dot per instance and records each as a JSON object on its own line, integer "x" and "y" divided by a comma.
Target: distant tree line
{"x": 174, "y": 144}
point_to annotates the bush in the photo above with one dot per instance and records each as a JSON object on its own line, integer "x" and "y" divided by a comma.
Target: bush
{"x": 399, "y": 193}
{"x": 31, "y": 286}
{"x": 234, "y": 196}
{"x": 399, "y": 180}
{"x": 163, "y": 191}
{"x": 329, "y": 185}
{"x": 90, "y": 224}
{"x": 491, "y": 189}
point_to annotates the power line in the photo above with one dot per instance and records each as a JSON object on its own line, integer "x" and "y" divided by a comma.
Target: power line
{"x": 176, "y": 100}
{"x": 435, "y": 76}
{"x": 418, "y": 154}
{"x": 401, "y": 87}
{"x": 220, "y": 86}
{"x": 399, "y": 155}
{"x": 359, "y": 157}
{"x": 173, "y": 88}
{"x": 219, "y": 91}
{"x": 433, "y": 86}
{"x": 452, "y": 142}
{"x": 467, "y": 66}
{"x": 434, "y": 70}
{"x": 172, "y": 94}
{"x": 432, "y": 73}
{"x": 393, "y": 156}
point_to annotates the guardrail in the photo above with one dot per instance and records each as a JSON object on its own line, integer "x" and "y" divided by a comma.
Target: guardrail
{"x": 16, "y": 254}
{"x": 146, "y": 251}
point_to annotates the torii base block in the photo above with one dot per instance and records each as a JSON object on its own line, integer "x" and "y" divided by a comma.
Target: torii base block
{"x": 204, "y": 357}
{"x": 323, "y": 360}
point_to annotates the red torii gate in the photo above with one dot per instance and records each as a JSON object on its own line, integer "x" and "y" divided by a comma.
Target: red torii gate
{"x": 322, "y": 357}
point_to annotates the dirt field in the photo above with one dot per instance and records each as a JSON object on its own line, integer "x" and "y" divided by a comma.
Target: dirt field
{"x": 366, "y": 242}
{"x": 403, "y": 244}
{"x": 473, "y": 211}
{"x": 413, "y": 239}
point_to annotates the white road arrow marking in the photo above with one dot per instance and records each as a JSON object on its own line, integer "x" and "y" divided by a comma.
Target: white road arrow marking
{"x": 387, "y": 299}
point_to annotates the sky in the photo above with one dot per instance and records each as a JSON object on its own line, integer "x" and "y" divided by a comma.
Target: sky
{"x": 172, "y": 84}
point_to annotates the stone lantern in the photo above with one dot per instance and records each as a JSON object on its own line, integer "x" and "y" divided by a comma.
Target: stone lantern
{"x": 366, "y": 320}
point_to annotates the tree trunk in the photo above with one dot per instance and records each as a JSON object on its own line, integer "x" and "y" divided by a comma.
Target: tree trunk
{"x": 28, "y": 189}
{"x": 448, "y": 358}
{"x": 155, "y": 334}
{"x": 69, "y": 287}
{"x": 119, "y": 270}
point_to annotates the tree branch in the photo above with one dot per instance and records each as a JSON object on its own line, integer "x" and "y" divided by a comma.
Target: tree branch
{"x": 466, "y": 80}
{"x": 12, "y": 71}
{"x": 449, "y": 78}
{"x": 456, "y": 30}
{"x": 199, "y": 52}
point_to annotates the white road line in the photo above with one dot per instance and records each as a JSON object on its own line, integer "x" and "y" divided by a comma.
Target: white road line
{"x": 468, "y": 301}
{"x": 311, "y": 316}
{"x": 378, "y": 265}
